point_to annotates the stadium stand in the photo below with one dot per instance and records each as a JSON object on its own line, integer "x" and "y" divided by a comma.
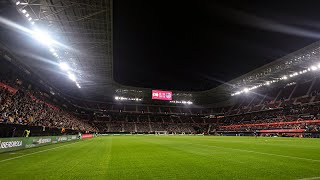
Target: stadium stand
{"x": 24, "y": 104}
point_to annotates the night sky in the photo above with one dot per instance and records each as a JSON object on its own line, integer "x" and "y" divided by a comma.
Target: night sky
{"x": 181, "y": 45}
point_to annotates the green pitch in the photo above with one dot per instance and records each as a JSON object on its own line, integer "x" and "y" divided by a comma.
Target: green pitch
{"x": 167, "y": 157}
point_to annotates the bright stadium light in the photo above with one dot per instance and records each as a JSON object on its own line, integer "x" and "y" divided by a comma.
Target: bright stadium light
{"x": 245, "y": 90}
{"x": 24, "y": 11}
{"x": 72, "y": 76}
{"x": 64, "y": 66}
{"x": 42, "y": 37}
{"x": 17, "y": 3}
{"x": 313, "y": 68}
{"x": 27, "y": 15}
{"x": 284, "y": 77}
{"x": 30, "y": 18}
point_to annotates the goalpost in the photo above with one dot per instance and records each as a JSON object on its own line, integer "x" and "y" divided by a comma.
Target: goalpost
{"x": 160, "y": 132}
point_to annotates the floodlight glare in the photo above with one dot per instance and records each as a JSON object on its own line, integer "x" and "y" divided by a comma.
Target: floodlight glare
{"x": 64, "y": 66}
{"x": 42, "y": 37}
{"x": 27, "y": 15}
{"x": 17, "y": 3}
{"x": 24, "y": 11}
{"x": 29, "y": 19}
{"x": 72, "y": 76}
{"x": 246, "y": 90}
{"x": 313, "y": 68}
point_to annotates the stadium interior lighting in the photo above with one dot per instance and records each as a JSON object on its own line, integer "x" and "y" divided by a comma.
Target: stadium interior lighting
{"x": 24, "y": 11}
{"x": 64, "y": 66}
{"x": 313, "y": 68}
{"x": 182, "y": 102}
{"x": 42, "y": 37}
{"x": 27, "y": 15}
{"x": 285, "y": 77}
{"x": 72, "y": 76}
{"x": 17, "y": 3}
{"x": 30, "y": 18}
{"x": 120, "y": 98}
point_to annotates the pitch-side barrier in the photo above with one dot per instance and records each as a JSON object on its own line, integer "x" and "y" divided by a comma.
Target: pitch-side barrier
{"x": 13, "y": 144}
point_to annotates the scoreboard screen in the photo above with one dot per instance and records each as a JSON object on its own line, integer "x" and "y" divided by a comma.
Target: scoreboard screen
{"x": 162, "y": 95}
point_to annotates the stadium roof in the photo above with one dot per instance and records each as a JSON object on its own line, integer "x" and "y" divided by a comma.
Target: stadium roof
{"x": 282, "y": 69}
{"x": 85, "y": 28}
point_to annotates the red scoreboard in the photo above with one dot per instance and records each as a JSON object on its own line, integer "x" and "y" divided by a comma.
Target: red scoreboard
{"x": 162, "y": 95}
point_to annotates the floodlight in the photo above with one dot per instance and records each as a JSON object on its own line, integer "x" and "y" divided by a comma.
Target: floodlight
{"x": 64, "y": 66}
{"x": 30, "y": 18}
{"x": 17, "y": 3}
{"x": 267, "y": 83}
{"x": 246, "y": 90}
{"x": 42, "y": 37}
{"x": 284, "y": 77}
{"x": 32, "y": 22}
{"x": 27, "y": 15}
{"x": 313, "y": 68}
{"x": 72, "y": 76}
{"x": 24, "y": 11}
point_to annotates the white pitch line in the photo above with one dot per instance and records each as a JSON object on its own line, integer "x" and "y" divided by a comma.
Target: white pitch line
{"x": 4, "y": 160}
{"x": 256, "y": 152}
{"x": 311, "y": 178}
{"x": 270, "y": 154}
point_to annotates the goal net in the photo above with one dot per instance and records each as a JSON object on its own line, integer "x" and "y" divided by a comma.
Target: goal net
{"x": 161, "y": 132}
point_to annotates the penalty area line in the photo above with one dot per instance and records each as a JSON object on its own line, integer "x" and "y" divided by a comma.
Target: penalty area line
{"x": 310, "y": 178}
{"x": 257, "y": 152}
{"x": 17, "y": 157}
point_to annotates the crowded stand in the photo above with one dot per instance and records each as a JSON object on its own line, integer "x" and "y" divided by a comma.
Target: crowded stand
{"x": 22, "y": 108}
{"x": 290, "y": 109}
